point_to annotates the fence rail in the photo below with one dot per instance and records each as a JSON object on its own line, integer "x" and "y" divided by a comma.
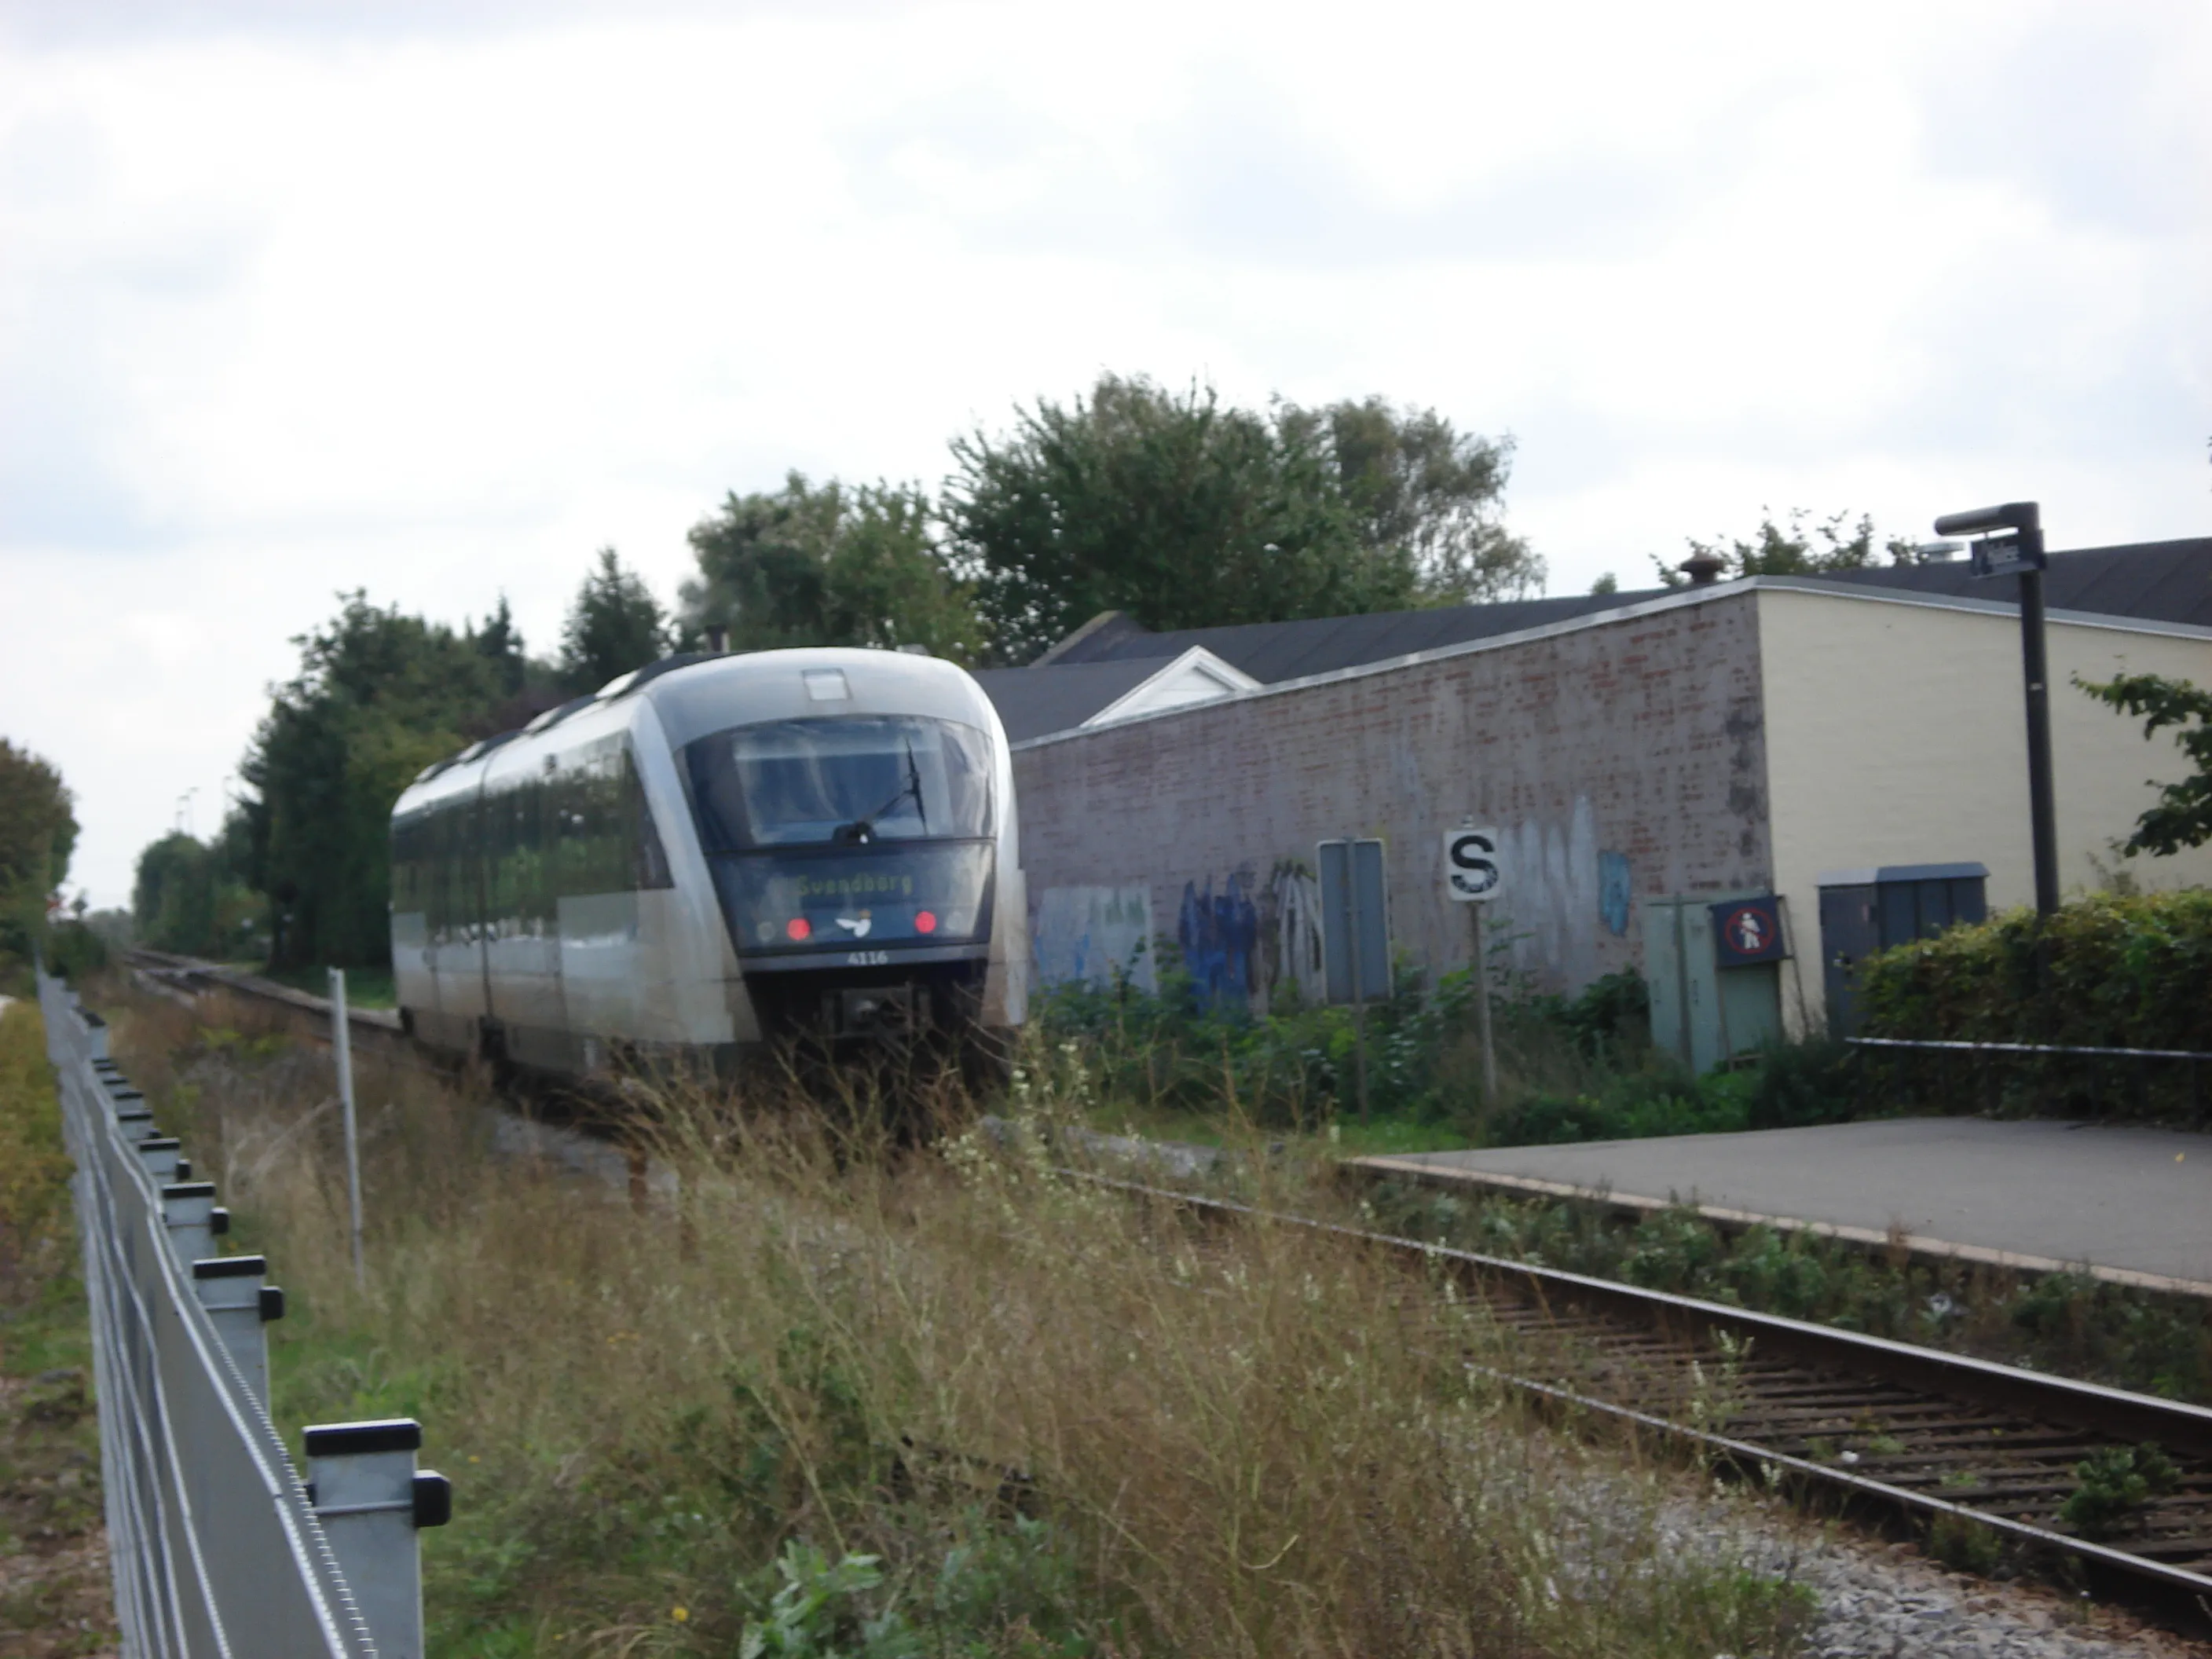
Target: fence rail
{"x": 2133, "y": 1065}
{"x": 1935, "y": 1043}
{"x": 217, "y": 1547}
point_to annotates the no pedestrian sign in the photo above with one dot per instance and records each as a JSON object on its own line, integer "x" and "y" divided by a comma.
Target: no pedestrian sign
{"x": 1472, "y": 870}
{"x": 1748, "y": 931}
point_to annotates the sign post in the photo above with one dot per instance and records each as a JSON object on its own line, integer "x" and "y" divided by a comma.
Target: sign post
{"x": 1473, "y": 876}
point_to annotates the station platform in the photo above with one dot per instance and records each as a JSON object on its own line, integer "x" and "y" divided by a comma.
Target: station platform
{"x": 2133, "y": 1205}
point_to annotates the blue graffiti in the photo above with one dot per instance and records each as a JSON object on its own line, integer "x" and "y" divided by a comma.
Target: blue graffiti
{"x": 1613, "y": 891}
{"x": 1218, "y": 934}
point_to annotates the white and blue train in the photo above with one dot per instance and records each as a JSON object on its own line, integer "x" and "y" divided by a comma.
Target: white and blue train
{"x": 710, "y": 854}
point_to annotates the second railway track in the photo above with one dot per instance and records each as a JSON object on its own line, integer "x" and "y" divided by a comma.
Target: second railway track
{"x": 1919, "y": 1433}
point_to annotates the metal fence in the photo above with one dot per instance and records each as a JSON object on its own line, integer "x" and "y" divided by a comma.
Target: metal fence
{"x": 217, "y": 1547}
{"x": 2067, "y": 1074}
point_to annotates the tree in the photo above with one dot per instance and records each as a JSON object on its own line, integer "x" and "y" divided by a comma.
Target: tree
{"x": 835, "y": 564}
{"x": 500, "y": 642}
{"x": 1186, "y": 514}
{"x": 614, "y": 625}
{"x": 378, "y": 697}
{"x": 2183, "y": 817}
{"x": 1417, "y": 487}
{"x": 173, "y": 899}
{"x": 1791, "y": 549}
{"x": 38, "y": 832}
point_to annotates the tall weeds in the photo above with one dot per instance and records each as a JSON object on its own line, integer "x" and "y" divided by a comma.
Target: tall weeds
{"x": 1061, "y": 1422}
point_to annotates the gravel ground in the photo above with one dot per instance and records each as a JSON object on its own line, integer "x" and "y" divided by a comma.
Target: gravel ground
{"x": 1878, "y": 1599}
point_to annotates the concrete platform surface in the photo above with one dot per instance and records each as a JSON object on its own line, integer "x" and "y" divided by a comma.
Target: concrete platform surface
{"x": 2134, "y": 1203}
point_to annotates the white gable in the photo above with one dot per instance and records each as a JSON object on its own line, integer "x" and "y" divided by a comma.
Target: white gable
{"x": 1197, "y": 676}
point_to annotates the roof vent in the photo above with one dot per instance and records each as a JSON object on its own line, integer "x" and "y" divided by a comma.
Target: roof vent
{"x": 1703, "y": 568}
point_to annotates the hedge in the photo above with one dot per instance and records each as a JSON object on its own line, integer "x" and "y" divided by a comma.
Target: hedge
{"x": 2131, "y": 970}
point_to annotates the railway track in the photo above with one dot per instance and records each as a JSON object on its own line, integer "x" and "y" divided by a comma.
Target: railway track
{"x": 1919, "y": 1433}
{"x": 1914, "y": 1431}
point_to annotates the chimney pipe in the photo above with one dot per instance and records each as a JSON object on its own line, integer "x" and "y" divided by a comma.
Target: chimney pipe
{"x": 1703, "y": 569}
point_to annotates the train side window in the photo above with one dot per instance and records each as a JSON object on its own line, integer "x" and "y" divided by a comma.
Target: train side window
{"x": 646, "y": 859}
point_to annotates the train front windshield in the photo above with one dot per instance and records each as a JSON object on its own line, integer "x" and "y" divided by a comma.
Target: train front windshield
{"x": 848, "y": 834}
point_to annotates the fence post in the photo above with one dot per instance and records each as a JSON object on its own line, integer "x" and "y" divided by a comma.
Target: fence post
{"x": 231, "y": 1290}
{"x": 162, "y": 1153}
{"x": 194, "y": 1220}
{"x": 342, "y": 1057}
{"x": 366, "y": 1491}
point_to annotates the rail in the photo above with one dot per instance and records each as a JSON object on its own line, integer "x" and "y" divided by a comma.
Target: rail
{"x": 217, "y": 1547}
{"x": 1921, "y": 1432}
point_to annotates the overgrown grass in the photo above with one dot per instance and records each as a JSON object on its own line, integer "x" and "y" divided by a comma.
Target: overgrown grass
{"x": 828, "y": 1396}
{"x": 366, "y": 987}
{"x": 2071, "y": 1324}
{"x": 53, "y": 1586}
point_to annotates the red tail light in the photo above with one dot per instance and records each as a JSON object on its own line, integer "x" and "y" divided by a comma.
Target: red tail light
{"x": 925, "y": 921}
{"x": 797, "y": 928}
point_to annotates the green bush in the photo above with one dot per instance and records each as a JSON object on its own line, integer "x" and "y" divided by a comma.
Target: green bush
{"x": 73, "y": 950}
{"x": 2123, "y": 971}
{"x": 1799, "y": 1083}
{"x": 1571, "y": 1068}
{"x": 2118, "y": 970}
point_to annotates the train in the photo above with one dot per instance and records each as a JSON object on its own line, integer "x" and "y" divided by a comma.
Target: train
{"x": 711, "y": 855}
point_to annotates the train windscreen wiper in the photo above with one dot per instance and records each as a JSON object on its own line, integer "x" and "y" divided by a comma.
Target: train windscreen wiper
{"x": 860, "y": 831}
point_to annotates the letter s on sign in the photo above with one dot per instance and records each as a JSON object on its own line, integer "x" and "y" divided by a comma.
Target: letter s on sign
{"x": 1471, "y": 869}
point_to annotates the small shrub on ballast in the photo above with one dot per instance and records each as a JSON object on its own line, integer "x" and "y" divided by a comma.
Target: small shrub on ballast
{"x": 2114, "y": 1485}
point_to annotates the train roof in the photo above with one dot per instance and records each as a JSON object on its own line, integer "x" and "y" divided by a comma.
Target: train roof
{"x": 694, "y": 694}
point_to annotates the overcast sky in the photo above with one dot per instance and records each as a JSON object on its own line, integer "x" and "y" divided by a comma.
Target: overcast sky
{"x": 435, "y": 298}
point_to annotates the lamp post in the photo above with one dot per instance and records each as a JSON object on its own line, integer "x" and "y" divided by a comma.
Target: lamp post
{"x": 2019, "y": 551}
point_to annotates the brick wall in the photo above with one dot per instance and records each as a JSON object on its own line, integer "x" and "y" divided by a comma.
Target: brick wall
{"x": 1637, "y": 739}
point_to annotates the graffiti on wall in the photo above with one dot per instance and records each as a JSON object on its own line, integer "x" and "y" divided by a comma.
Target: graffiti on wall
{"x": 1294, "y": 900}
{"x": 1553, "y": 907}
{"x": 1218, "y": 933}
{"x": 1612, "y": 892}
{"x": 1094, "y": 936}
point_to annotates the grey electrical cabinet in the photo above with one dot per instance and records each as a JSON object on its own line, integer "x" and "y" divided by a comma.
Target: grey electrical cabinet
{"x": 1701, "y": 1013}
{"x": 1862, "y": 911}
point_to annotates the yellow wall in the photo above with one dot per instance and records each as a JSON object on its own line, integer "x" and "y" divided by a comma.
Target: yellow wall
{"x": 1895, "y": 735}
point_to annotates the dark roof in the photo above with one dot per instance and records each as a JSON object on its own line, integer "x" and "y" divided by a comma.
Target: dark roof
{"x": 1112, "y": 654}
{"x": 1272, "y": 652}
{"x": 2156, "y": 581}
{"x": 1032, "y": 701}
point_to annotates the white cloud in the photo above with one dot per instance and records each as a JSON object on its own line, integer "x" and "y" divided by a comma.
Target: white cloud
{"x": 436, "y": 301}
